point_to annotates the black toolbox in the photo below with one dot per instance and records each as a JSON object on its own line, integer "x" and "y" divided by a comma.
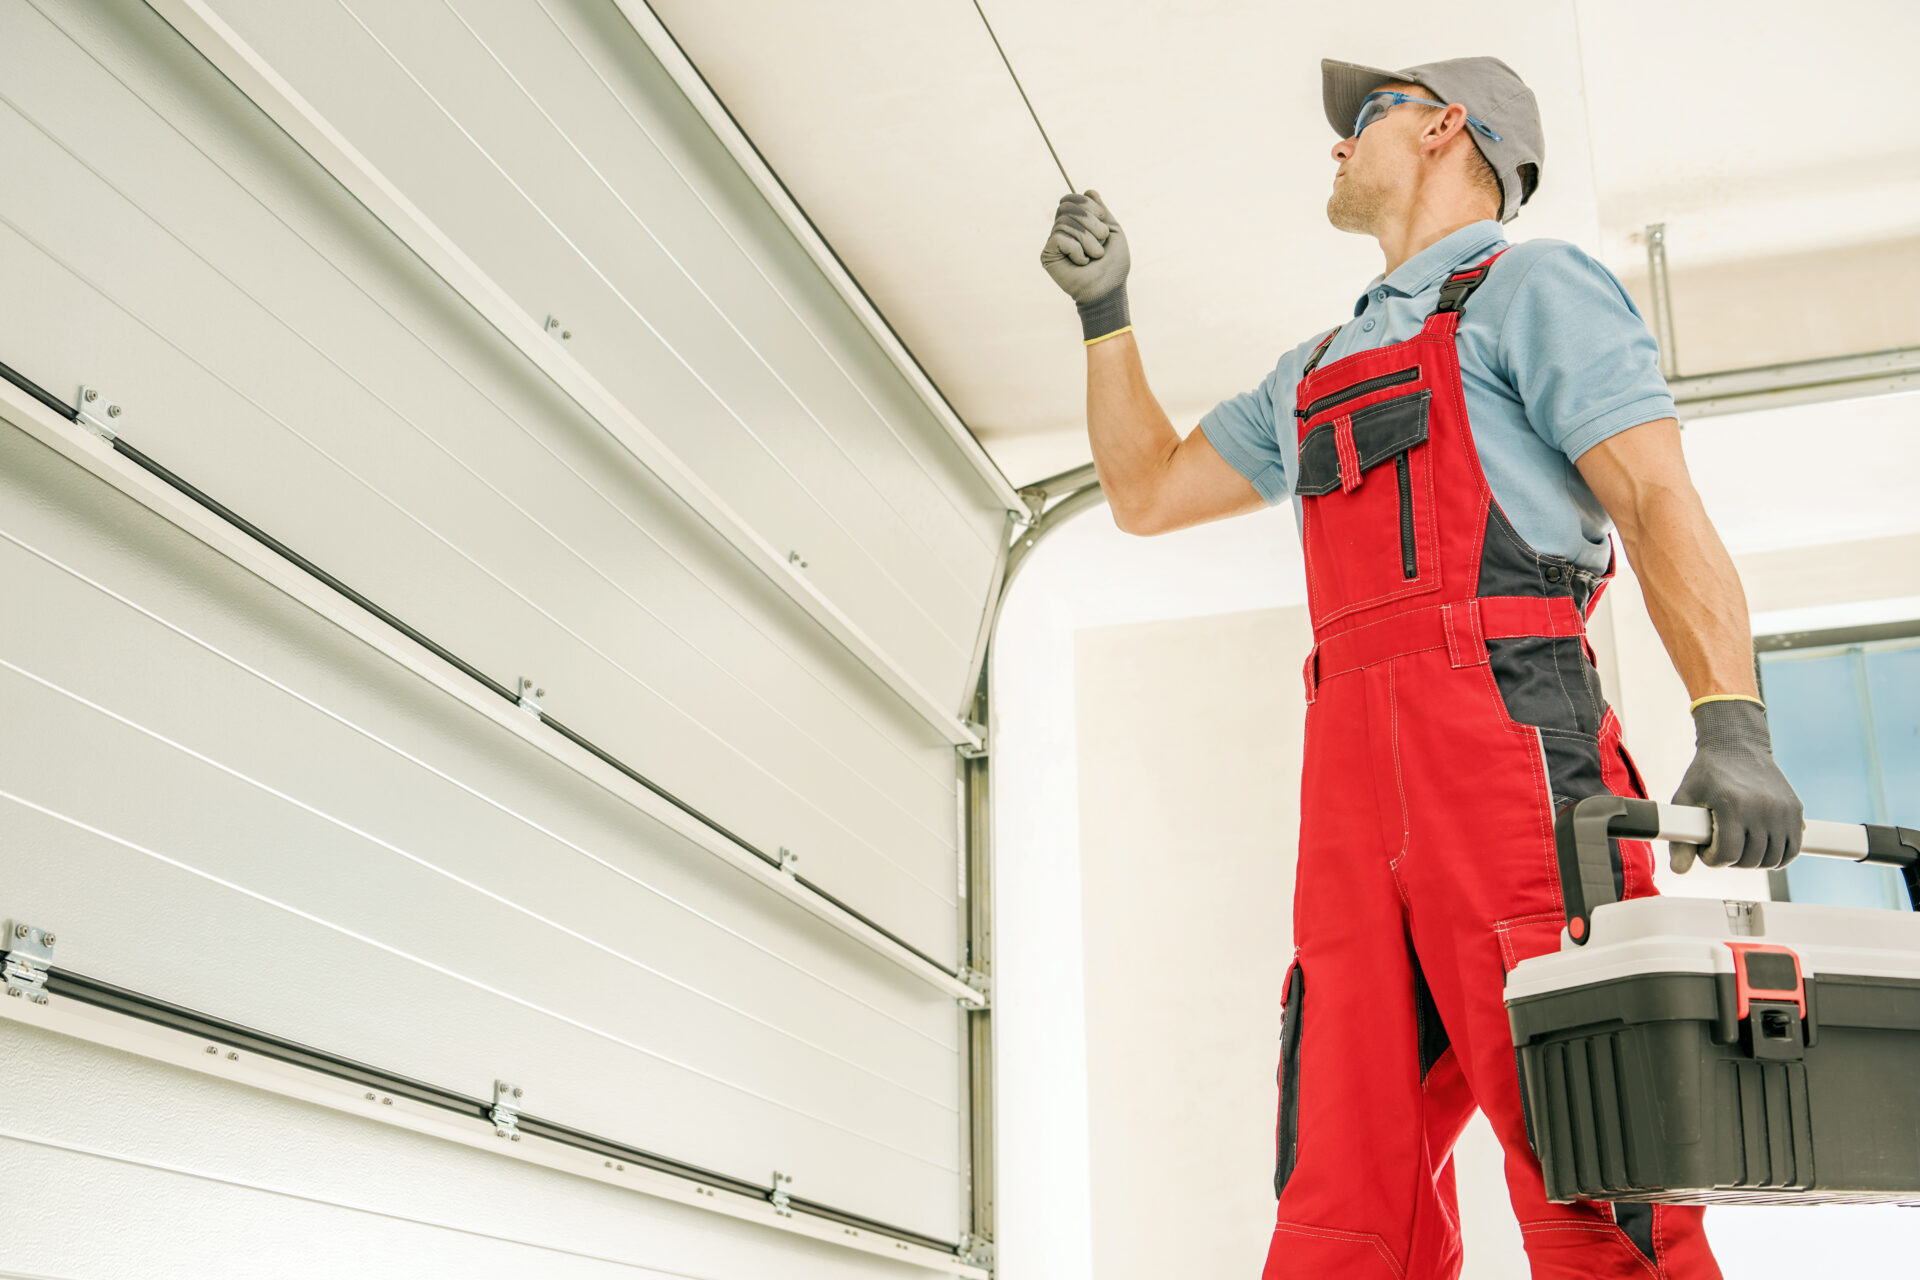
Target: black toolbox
{"x": 1698, "y": 1051}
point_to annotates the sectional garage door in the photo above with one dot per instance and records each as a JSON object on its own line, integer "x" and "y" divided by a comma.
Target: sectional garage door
{"x": 495, "y": 613}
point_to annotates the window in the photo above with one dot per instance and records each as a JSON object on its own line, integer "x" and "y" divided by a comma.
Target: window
{"x": 1844, "y": 711}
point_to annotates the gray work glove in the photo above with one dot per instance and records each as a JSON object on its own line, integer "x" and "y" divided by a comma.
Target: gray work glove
{"x": 1757, "y": 819}
{"x": 1086, "y": 255}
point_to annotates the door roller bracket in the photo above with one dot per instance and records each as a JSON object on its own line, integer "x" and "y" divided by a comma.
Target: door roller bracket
{"x": 506, "y": 1110}
{"x": 29, "y": 954}
{"x": 782, "y": 1203}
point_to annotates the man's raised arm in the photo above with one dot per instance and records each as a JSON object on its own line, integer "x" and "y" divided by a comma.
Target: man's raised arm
{"x": 1154, "y": 481}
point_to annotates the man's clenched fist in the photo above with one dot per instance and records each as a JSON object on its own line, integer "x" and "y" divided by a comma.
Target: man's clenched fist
{"x": 1757, "y": 818}
{"x": 1086, "y": 254}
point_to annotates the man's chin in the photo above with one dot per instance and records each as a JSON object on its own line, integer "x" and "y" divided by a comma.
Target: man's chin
{"x": 1345, "y": 217}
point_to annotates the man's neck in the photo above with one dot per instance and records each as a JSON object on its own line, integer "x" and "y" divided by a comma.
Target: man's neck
{"x": 1420, "y": 229}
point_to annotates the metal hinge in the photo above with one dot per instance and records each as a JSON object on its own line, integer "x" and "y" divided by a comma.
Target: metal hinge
{"x": 982, "y": 985}
{"x": 29, "y": 956}
{"x": 506, "y": 1110}
{"x": 976, "y": 1252}
{"x": 96, "y": 408}
{"x": 530, "y": 698}
{"x": 979, "y": 731}
{"x": 781, "y": 1202}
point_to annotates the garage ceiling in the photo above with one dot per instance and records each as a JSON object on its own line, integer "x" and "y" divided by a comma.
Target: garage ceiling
{"x": 898, "y": 130}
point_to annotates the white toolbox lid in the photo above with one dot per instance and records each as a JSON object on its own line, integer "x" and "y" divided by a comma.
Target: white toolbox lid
{"x": 1689, "y": 935}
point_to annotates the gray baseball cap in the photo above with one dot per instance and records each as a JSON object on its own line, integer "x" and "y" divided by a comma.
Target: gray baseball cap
{"x": 1486, "y": 87}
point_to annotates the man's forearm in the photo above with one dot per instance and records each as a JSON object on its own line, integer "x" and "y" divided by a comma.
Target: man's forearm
{"x": 1693, "y": 594}
{"x": 1131, "y": 434}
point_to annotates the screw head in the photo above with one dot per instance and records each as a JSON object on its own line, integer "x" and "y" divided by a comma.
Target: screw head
{"x": 47, "y": 938}
{"x": 39, "y": 997}
{"x": 13, "y": 991}
{"x": 516, "y": 1092}
{"x": 92, "y": 395}
{"x": 565, "y": 334}
{"x": 113, "y": 411}
{"x": 211, "y": 1049}
{"x": 516, "y": 1137}
{"x": 232, "y": 1056}
{"x": 386, "y": 1102}
{"x": 539, "y": 693}
{"x": 19, "y": 931}
{"x": 369, "y": 1097}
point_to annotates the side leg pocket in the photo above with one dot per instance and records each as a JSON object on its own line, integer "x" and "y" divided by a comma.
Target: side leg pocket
{"x": 1287, "y": 1137}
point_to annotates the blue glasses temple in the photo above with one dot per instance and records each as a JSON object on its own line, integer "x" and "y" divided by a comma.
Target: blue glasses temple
{"x": 1398, "y": 98}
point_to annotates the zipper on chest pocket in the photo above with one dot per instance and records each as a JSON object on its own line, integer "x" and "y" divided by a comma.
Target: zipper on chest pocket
{"x": 1409, "y": 558}
{"x": 1357, "y": 390}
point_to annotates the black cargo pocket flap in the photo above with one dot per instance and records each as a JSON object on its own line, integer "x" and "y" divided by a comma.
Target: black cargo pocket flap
{"x": 1379, "y": 432}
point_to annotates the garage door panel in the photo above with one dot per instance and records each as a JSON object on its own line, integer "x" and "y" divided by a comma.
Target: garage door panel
{"x": 144, "y": 596}
{"x": 553, "y": 46}
{"x": 858, "y": 797}
{"x": 657, "y": 955}
{"x": 222, "y": 799}
{"x": 493, "y": 557}
{"x": 77, "y": 1122}
{"x": 514, "y": 85}
{"x": 316, "y": 968}
{"x": 486, "y": 168}
{"x": 442, "y": 915}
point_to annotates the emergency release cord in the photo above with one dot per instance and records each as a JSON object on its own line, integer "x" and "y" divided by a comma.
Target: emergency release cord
{"x": 1023, "y": 96}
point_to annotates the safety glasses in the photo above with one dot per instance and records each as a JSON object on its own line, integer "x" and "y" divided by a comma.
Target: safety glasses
{"x": 1378, "y": 104}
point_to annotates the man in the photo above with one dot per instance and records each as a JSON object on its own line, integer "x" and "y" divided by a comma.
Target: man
{"x": 1455, "y": 453}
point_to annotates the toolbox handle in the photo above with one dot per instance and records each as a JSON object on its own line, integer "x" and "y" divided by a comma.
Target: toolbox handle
{"x": 1582, "y": 829}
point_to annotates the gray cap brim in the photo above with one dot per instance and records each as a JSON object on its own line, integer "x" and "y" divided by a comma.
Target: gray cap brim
{"x": 1345, "y": 85}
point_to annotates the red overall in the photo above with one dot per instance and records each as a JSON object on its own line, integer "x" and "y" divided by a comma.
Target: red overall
{"x": 1452, "y": 707}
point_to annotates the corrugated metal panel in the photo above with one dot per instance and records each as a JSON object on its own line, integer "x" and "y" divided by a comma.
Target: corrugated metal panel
{"x": 227, "y": 802}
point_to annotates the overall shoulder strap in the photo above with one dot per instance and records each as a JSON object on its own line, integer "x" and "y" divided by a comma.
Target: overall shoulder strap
{"x": 1320, "y": 351}
{"x": 1461, "y": 284}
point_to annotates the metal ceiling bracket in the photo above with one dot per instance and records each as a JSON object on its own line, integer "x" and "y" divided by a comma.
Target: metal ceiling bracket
{"x": 558, "y": 330}
{"x": 506, "y": 1110}
{"x": 782, "y": 1203}
{"x": 1661, "y": 290}
{"x": 29, "y": 953}
{"x": 972, "y": 752}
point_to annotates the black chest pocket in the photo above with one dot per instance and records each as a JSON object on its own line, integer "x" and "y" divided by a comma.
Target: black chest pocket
{"x": 1371, "y": 532}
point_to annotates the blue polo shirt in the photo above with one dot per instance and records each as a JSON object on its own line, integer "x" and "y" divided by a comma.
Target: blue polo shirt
{"x": 1554, "y": 358}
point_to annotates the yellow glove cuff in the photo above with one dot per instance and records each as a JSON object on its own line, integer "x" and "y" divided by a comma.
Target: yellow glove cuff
{"x": 1103, "y": 337}
{"x": 1725, "y": 697}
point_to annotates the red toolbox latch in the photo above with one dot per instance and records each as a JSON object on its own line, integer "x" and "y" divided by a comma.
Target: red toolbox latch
{"x": 1770, "y": 999}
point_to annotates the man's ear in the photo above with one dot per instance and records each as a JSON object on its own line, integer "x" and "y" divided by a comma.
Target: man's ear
{"x": 1440, "y": 129}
